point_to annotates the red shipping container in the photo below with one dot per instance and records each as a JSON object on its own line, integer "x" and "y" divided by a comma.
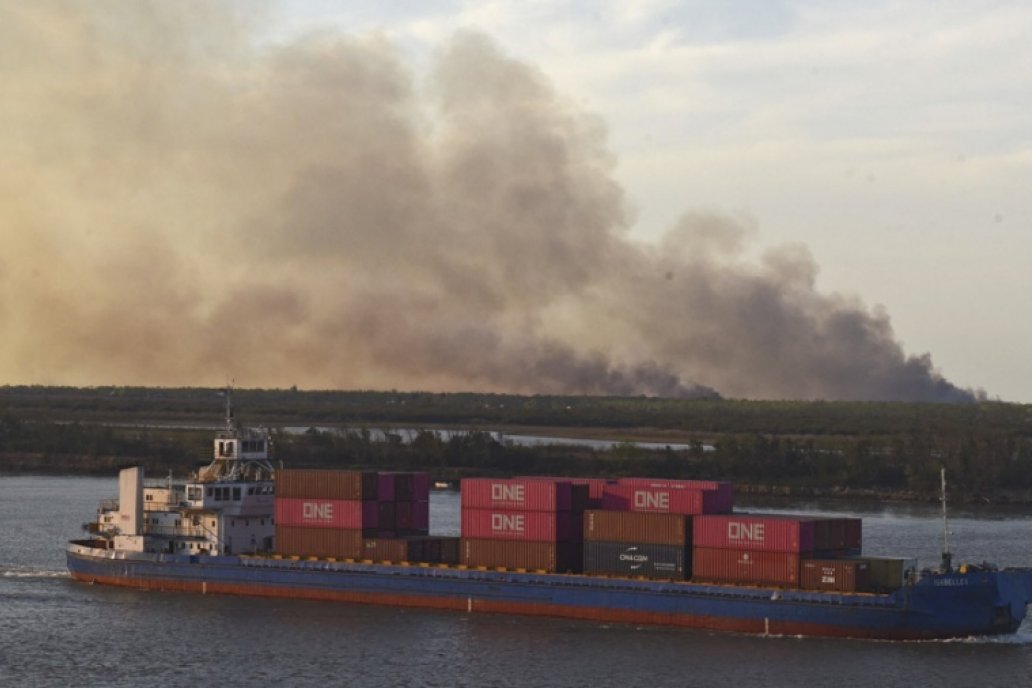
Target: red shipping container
{"x": 722, "y": 503}
{"x": 631, "y": 526}
{"x": 748, "y": 567}
{"x": 544, "y": 556}
{"x": 327, "y": 513}
{"x": 837, "y": 575}
{"x": 326, "y": 484}
{"x": 661, "y": 500}
{"x": 530, "y": 526}
{"x": 318, "y": 542}
{"x": 525, "y": 494}
{"x": 756, "y": 532}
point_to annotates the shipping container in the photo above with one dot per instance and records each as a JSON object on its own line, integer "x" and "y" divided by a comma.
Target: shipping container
{"x": 449, "y": 549}
{"x": 421, "y": 516}
{"x": 385, "y": 486}
{"x": 409, "y": 486}
{"x": 745, "y": 567}
{"x": 329, "y": 513}
{"x": 385, "y": 516}
{"x": 411, "y": 517}
{"x": 723, "y": 501}
{"x": 665, "y": 500}
{"x": 630, "y": 526}
{"x": 839, "y": 575}
{"x": 758, "y": 532}
{"x": 886, "y": 574}
{"x": 326, "y": 484}
{"x": 533, "y": 556}
{"x": 318, "y": 542}
{"x": 531, "y": 526}
{"x": 636, "y": 559}
{"x": 526, "y": 494}
{"x": 829, "y": 533}
{"x": 403, "y": 520}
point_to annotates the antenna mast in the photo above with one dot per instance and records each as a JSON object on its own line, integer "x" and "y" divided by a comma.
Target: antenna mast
{"x": 947, "y": 557}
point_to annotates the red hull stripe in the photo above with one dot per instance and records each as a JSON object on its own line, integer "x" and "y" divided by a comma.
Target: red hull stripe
{"x": 759, "y": 626}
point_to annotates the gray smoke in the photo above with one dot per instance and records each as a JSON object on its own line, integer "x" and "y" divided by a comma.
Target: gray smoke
{"x": 182, "y": 205}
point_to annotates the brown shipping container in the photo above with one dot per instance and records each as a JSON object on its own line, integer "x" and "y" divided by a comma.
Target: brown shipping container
{"x": 318, "y": 542}
{"x": 631, "y": 526}
{"x": 326, "y": 484}
{"x": 747, "y": 567}
{"x": 545, "y": 556}
{"x": 833, "y": 574}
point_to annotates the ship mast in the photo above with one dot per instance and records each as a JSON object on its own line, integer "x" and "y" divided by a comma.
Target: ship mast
{"x": 947, "y": 557}
{"x": 239, "y": 453}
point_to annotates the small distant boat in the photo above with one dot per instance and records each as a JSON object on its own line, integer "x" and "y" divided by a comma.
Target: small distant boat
{"x": 442, "y": 485}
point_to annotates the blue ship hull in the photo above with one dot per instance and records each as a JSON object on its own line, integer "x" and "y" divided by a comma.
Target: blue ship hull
{"x": 936, "y": 606}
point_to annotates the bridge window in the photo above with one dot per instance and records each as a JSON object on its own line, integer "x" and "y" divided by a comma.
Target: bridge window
{"x": 236, "y": 494}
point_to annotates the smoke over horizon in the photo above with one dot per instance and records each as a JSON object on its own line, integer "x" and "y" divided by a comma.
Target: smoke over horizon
{"x": 182, "y": 205}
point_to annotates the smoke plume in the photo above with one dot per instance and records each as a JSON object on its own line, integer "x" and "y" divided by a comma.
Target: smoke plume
{"x": 182, "y": 204}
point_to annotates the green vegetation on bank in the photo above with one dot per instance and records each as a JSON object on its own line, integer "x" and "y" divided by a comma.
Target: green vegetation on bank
{"x": 883, "y": 447}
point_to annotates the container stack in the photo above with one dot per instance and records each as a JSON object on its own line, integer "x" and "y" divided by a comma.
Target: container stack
{"x": 628, "y": 543}
{"x": 766, "y": 549}
{"x": 352, "y": 514}
{"x": 522, "y": 523}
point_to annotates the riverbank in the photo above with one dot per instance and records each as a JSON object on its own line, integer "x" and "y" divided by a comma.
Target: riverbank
{"x": 24, "y": 463}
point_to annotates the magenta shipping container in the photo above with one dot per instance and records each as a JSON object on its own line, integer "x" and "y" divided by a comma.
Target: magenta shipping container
{"x": 757, "y": 532}
{"x": 663, "y": 500}
{"x": 385, "y": 487}
{"x": 412, "y": 516}
{"x": 329, "y": 513}
{"x": 528, "y": 526}
{"x": 745, "y": 566}
{"x": 525, "y": 494}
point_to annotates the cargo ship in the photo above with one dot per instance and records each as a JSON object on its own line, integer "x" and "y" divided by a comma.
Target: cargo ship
{"x": 638, "y": 551}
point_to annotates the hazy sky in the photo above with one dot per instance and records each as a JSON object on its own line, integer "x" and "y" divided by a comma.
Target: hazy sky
{"x": 893, "y": 139}
{"x": 767, "y": 199}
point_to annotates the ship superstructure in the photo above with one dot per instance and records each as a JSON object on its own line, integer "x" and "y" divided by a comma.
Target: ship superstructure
{"x": 227, "y": 507}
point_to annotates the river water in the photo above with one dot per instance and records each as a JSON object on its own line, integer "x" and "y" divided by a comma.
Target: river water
{"x": 56, "y": 632}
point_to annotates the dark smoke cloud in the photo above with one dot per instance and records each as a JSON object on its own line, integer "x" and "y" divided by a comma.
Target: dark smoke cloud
{"x": 182, "y": 205}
